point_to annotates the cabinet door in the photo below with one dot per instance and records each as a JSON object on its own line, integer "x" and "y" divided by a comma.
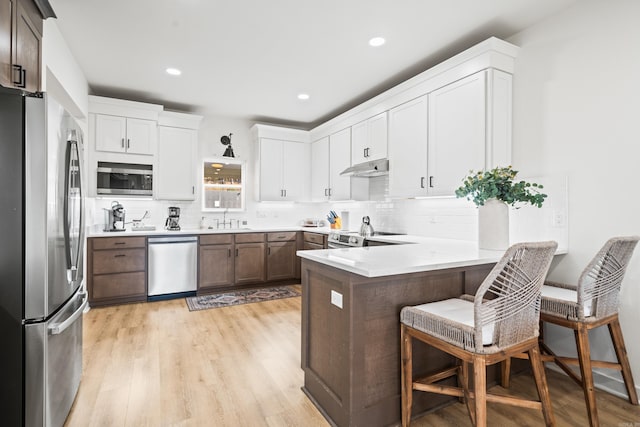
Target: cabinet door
{"x": 320, "y": 170}
{"x": 457, "y": 118}
{"x": 339, "y": 160}
{"x": 6, "y": 14}
{"x": 295, "y": 172}
{"x": 359, "y": 142}
{"x": 377, "y": 136}
{"x": 281, "y": 260}
{"x": 176, "y": 164}
{"x": 27, "y": 50}
{"x": 216, "y": 266}
{"x": 111, "y": 133}
{"x": 271, "y": 169}
{"x": 141, "y": 136}
{"x": 249, "y": 263}
{"x": 408, "y": 149}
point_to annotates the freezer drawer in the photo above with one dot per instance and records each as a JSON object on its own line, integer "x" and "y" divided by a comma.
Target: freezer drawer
{"x": 53, "y": 365}
{"x": 173, "y": 265}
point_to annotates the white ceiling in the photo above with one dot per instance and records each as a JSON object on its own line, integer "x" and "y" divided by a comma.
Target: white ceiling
{"x": 250, "y": 58}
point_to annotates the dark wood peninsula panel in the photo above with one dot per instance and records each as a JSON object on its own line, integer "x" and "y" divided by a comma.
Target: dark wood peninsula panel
{"x": 351, "y": 354}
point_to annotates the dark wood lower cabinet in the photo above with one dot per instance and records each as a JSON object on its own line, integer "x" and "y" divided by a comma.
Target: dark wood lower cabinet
{"x": 117, "y": 266}
{"x": 314, "y": 240}
{"x": 118, "y": 286}
{"x": 281, "y": 260}
{"x": 116, "y": 270}
{"x": 249, "y": 263}
{"x": 216, "y": 261}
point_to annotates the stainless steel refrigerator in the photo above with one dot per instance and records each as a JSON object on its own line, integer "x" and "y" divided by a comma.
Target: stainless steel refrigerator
{"x": 41, "y": 258}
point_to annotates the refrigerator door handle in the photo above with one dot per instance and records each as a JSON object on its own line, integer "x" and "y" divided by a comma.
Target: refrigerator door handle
{"x": 73, "y": 182}
{"x": 58, "y": 328}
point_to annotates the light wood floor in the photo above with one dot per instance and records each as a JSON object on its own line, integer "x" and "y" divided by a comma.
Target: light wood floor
{"x": 157, "y": 364}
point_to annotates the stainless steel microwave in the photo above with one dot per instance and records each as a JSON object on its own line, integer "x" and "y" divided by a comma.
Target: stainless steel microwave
{"x": 126, "y": 179}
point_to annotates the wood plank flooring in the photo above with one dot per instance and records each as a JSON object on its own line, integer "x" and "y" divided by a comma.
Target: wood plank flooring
{"x": 157, "y": 364}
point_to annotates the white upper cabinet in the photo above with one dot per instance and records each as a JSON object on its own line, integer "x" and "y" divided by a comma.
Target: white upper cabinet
{"x": 436, "y": 139}
{"x": 320, "y": 170}
{"x": 176, "y": 176}
{"x": 408, "y": 148}
{"x": 125, "y": 135}
{"x": 283, "y": 163}
{"x": 330, "y": 156}
{"x": 369, "y": 139}
{"x": 339, "y": 160}
{"x": 284, "y": 170}
{"x": 295, "y": 170}
{"x": 457, "y": 133}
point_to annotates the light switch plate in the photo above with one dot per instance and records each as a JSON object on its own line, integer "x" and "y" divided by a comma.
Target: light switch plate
{"x": 336, "y": 299}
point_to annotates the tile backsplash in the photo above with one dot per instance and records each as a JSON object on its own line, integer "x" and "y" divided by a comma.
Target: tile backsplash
{"x": 445, "y": 217}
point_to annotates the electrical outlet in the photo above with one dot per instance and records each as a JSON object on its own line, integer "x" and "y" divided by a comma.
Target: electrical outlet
{"x": 336, "y": 299}
{"x": 558, "y": 218}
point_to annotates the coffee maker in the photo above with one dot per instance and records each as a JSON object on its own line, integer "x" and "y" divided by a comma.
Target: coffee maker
{"x": 114, "y": 217}
{"x": 173, "y": 220}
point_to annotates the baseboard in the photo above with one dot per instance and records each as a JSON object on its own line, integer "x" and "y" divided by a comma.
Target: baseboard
{"x": 602, "y": 381}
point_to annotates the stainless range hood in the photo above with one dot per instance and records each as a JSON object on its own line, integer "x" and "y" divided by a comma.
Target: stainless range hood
{"x": 368, "y": 169}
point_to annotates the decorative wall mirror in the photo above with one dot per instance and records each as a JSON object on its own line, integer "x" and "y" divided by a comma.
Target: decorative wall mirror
{"x": 223, "y": 184}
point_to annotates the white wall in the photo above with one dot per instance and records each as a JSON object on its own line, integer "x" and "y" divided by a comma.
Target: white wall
{"x": 63, "y": 77}
{"x": 577, "y": 113}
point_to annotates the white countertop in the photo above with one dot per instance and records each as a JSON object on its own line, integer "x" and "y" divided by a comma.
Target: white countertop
{"x": 192, "y": 231}
{"x": 425, "y": 254}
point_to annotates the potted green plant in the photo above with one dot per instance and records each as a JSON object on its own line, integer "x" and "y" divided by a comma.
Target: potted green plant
{"x": 493, "y": 191}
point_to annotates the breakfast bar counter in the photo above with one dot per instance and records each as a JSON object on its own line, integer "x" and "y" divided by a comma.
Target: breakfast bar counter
{"x": 351, "y": 302}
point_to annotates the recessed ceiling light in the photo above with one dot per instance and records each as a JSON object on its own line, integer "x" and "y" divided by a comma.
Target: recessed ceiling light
{"x": 376, "y": 41}
{"x": 303, "y": 96}
{"x": 173, "y": 71}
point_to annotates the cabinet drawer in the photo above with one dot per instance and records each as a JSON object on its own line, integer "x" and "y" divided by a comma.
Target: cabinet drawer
{"x": 119, "y": 261}
{"x": 249, "y": 237}
{"x": 316, "y": 238}
{"x": 282, "y": 236}
{"x": 216, "y": 239}
{"x": 312, "y": 246}
{"x": 118, "y": 242}
{"x": 119, "y": 285}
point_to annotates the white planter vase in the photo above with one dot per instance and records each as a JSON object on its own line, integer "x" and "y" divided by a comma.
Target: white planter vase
{"x": 493, "y": 225}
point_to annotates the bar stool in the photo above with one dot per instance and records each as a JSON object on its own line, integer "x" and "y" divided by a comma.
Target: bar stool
{"x": 500, "y": 321}
{"x": 590, "y": 304}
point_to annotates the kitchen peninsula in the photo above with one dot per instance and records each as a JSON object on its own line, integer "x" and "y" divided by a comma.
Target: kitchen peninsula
{"x": 351, "y": 302}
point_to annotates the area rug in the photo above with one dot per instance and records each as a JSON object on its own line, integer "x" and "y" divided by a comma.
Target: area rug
{"x": 205, "y": 302}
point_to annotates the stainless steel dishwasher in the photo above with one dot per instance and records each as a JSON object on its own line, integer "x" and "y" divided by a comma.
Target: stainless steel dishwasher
{"x": 173, "y": 265}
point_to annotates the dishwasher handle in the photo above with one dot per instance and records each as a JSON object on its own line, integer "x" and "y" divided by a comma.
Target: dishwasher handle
{"x": 172, "y": 239}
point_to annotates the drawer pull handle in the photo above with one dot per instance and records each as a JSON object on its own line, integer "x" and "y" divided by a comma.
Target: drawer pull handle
{"x": 120, "y": 243}
{"x": 119, "y": 256}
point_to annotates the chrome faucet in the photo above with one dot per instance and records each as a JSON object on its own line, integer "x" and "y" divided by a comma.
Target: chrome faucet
{"x": 224, "y": 220}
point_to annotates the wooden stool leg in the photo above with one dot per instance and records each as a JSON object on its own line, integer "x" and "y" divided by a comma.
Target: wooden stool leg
{"x": 406, "y": 375}
{"x": 541, "y": 384}
{"x": 505, "y": 366}
{"x": 584, "y": 357}
{"x": 480, "y": 389}
{"x": 623, "y": 359}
